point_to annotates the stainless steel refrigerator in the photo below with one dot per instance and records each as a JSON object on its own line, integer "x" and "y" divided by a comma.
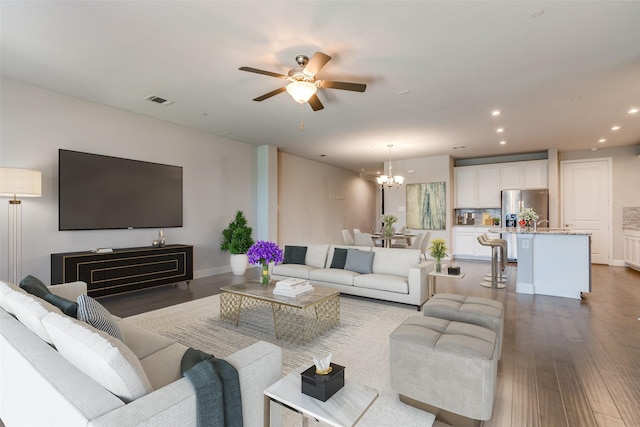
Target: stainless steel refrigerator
{"x": 513, "y": 201}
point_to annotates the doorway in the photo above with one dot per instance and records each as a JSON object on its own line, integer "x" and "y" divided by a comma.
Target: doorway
{"x": 586, "y": 202}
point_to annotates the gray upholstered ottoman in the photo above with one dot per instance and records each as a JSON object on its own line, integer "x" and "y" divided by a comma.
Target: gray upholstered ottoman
{"x": 444, "y": 367}
{"x": 478, "y": 311}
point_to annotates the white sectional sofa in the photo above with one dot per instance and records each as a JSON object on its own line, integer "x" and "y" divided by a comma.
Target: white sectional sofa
{"x": 39, "y": 386}
{"x": 395, "y": 275}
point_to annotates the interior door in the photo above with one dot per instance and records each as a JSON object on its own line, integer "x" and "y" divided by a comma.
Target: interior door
{"x": 586, "y": 203}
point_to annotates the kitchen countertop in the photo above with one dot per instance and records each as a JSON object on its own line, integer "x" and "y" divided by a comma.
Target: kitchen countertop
{"x": 541, "y": 230}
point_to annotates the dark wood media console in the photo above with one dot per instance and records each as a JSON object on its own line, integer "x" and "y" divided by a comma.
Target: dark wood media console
{"x": 124, "y": 270}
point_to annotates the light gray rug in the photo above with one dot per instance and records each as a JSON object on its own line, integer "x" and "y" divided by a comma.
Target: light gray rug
{"x": 360, "y": 343}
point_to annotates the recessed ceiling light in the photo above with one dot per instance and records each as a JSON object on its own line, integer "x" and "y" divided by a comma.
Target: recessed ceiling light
{"x": 576, "y": 98}
{"x": 500, "y": 130}
{"x": 403, "y": 92}
{"x": 614, "y": 128}
{"x": 602, "y": 140}
{"x": 536, "y": 13}
{"x": 495, "y": 113}
{"x": 594, "y": 149}
{"x": 633, "y": 111}
{"x": 503, "y": 142}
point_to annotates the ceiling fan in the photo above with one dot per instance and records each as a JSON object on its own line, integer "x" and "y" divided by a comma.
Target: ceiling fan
{"x": 303, "y": 84}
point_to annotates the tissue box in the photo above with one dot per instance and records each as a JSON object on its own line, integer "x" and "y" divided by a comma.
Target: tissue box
{"x": 322, "y": 387}
{"x": 454, "y": 271}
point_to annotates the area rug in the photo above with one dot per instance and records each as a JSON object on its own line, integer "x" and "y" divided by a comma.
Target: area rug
{"x": 360, "y": 343}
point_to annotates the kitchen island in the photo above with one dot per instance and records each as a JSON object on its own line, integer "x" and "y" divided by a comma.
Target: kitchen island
{"x": 554, "y": 262}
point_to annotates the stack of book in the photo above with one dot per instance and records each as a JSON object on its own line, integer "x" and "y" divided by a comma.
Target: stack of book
{"x": 293, "y": 287}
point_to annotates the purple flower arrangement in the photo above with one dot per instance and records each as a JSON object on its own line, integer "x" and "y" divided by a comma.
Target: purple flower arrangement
{"x": 262, "y": 252}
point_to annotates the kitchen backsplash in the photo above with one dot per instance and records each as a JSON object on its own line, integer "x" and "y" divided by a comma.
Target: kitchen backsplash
{"x": 631, "y": 217}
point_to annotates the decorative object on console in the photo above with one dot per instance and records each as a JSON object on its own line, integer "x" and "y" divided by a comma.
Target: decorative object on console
{"x": 17, "y": 183}
{"x": 161, "y": 239}
{"x": 236, "y": 239}
{"x": 438, "y": 250}
{"x": 263, "y": 253}
{"x": 390, "y": 180}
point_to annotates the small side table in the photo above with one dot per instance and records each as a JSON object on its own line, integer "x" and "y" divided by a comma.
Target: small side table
{"x": 433, "y": 275}
{"x": 343, "y": 409}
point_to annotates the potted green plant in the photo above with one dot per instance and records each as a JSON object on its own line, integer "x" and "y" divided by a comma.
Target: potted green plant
{"x": 236, "y": 239}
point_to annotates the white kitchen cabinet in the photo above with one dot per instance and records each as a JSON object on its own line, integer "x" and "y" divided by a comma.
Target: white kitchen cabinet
{"x": 632, "y": 248}
{"x": 510, "y": 177}
{"x": 524, "y": 175}
{"x": 465, "y": 187}
{"x": 535, "y": 174}
{"x": 465, "y": 242}
{"x": 488, "y": 183}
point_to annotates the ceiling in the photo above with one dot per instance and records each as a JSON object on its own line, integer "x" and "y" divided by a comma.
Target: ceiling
{"x": 562, "y": 73}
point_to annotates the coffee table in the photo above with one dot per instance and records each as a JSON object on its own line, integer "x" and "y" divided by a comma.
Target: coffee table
{"x": 298, "y": 320}
{"x": 343, "y": 409}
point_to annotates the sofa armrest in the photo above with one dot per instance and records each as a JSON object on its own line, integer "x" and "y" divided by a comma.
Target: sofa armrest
{"x": 70, "y": 291}
{"x": 258, "y": 365}
{"x": 419, "y": 280}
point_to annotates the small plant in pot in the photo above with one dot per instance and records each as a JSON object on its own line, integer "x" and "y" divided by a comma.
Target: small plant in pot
{"x": 236, "y": 239}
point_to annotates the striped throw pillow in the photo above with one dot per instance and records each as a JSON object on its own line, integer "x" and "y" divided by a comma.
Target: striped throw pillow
{"x": 94, "y": 313}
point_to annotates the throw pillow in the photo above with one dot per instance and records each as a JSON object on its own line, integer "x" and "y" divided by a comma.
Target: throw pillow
{"x": 294, "y": 254}
{"x": 339, "y": 258}
{"x": 359, "y": 261}
{"x": 69, "y": 308}
{"x": 100, "y": 356}
{"x": 34, "y": 286}
{"x": 92, "y": 312}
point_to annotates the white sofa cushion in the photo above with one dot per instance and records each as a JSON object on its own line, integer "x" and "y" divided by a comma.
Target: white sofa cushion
{"x": 382, "y": 282}
{"x": 396, "y": 262}
{"x": 142, "y": 341}
{"x": 100, "y": 356}
{"x": 333, "y": 275}
{"x": 5, "y": 289}
{"x": 30, "y": 311}
{"x": 316, "y": 255}
{"x": 292, "y": 270}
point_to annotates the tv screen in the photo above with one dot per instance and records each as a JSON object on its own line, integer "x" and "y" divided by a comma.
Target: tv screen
{"x": 100, "y": 192}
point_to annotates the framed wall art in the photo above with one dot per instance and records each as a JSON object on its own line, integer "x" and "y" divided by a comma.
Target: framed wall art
{"x": 426, "y": 206}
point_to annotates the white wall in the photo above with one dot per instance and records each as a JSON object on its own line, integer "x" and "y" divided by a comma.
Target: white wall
{"x": 219, "y": 174}
{"x": 316, "y": 201}
{"x": 425, "y": 169}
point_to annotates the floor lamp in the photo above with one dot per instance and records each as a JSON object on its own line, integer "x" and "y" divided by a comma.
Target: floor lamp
{"x": 16, "y": 183}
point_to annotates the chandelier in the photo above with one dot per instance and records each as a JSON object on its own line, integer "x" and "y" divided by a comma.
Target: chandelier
{"x": 390, "y": 180}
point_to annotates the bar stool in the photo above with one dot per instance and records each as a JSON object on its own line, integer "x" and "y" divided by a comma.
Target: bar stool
{"x": 498, "y": 254}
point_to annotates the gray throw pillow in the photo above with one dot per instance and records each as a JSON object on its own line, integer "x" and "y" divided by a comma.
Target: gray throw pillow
{"x": 34, "y": 286}
{"x": 339, "y": 258}
{"x": 359, "y": 261}
{"x": 92, "y": 312}
{"x": 294, "y": 254}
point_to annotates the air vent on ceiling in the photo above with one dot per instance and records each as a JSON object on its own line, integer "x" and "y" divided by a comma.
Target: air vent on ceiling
{"x": 158, "y": 100}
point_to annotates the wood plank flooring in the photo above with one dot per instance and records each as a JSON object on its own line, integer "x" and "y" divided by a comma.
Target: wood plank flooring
{"x": 564, "y": 362}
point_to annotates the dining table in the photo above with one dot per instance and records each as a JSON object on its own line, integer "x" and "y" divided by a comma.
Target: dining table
{"x": 387, "y": 241}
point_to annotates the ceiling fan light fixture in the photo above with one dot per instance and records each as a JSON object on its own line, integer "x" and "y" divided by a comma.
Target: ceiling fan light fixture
{"x": 301, "y": 91}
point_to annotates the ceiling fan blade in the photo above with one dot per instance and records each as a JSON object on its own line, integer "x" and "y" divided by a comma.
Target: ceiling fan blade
{"x": 356, "y": 87}
{"x": 315, "y": 64}
{"x": 270, "y": 94}
{"x": 315, "y": 103}
{"x": 266, "y": 73}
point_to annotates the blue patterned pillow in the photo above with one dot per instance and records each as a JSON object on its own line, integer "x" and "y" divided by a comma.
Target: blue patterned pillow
{"x": 92, "y": 312}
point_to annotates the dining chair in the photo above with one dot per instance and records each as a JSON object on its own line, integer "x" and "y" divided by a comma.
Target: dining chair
{"x": 417, "y": 241}
{"x": 346, "y": 237}
{"x": 425, "y": 244}
{"x": 356, "y": 231}
{"x": 364, "y": 239}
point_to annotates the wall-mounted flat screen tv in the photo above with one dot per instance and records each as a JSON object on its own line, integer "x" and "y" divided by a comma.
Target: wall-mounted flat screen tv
{"x": 101, "y": 192}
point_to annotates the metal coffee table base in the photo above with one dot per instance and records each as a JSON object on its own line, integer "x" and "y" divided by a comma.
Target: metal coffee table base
{"x": 291, "y": 323}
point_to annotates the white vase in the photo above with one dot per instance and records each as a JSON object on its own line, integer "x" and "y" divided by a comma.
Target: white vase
{"x": 239, "y": 263}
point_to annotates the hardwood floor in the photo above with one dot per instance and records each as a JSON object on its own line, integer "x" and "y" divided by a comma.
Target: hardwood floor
{"x": 564, "y": 362}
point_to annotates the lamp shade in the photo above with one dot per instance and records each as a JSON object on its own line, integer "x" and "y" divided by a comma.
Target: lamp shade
{"x": 20, "y": 182}
{"x": 301, "y": 91}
